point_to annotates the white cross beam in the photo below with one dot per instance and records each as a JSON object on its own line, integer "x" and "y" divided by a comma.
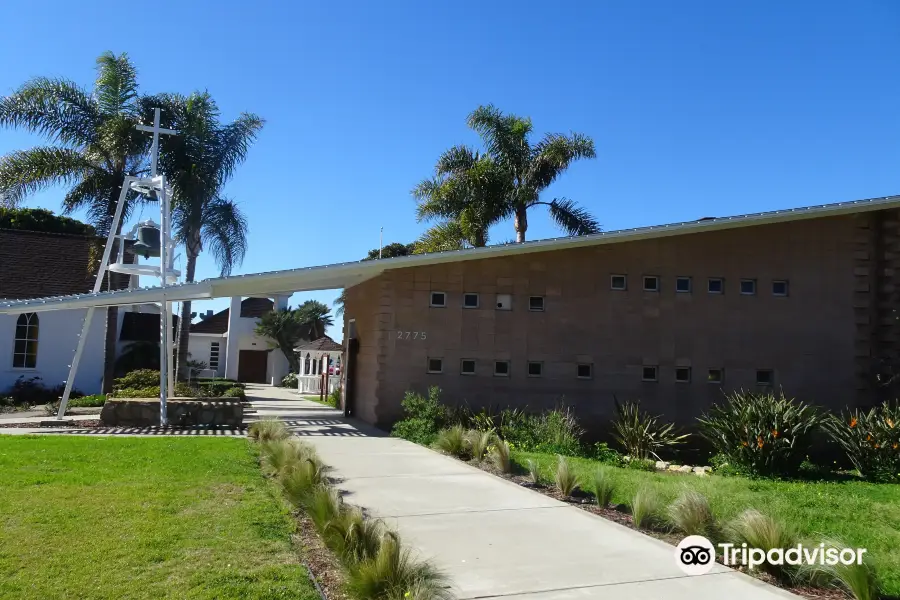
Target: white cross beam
{"x": 154, "y": 148}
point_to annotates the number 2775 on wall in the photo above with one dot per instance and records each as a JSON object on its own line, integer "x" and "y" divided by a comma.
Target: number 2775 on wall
{"x": 410, "y": 335}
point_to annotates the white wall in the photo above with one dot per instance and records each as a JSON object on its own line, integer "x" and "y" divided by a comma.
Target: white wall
{"x": 199, "y": 345}
{"x": 57, "y": 337}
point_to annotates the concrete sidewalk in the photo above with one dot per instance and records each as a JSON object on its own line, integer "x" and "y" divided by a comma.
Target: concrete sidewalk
{"x": 494, "y": 538}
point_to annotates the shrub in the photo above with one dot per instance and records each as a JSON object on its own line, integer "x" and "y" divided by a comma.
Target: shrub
{"x": 353, "y": 537}
{"x": 641, "y": 464}
{"x": 216, "y": 389}
{"x": 334, "y": 398}
{"x": 235, "y": 392}
{"x": 642, "y": 435}
{"x": 453, "y": 441}
{"x": 478, "y": 442}
{"x": 603, "y": 486}
{"x": 565, "y": 479}
{"x": 138, "y": 379}
{"x": 423, "y": 417}
{"x": 871, "y": 440}
{"x": 857, "y": 580}
{"x": 500, "y": 456}
{"x": 646, "y": 508}
{"x": 555, "y": 431}
{"x": 267, "y": 430}
{"x": 32, "y": 391}
{"x": 691, "y": 515}
{"x": 92, "y": 401}
{"x": 603, "y": 453}
{"x": 393, "y": 574}
{"x": 534, "y": 471}
{"x": 761, "y": 433}
{"x": 289, "y": 381}
{"x": 760, "y": 531}
{"x": 182, "y": 390}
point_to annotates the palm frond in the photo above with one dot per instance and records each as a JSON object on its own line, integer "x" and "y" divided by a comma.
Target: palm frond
{"x": 456, "y": 159}
{"x": 116, "y": 88}
{"x": 25, "y": 172}
{"x": 504, "y": 136}
{"x": 55, "y": 108}
{"x": 447, "y": 235}
{"x": 234, "y": 142}
{"x": 573, "y": 219}
{"x": 224, "y": 232}
{"x": 553, "y": 155}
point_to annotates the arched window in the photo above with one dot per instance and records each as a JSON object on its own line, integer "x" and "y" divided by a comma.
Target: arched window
{"x": 26, "y": 344}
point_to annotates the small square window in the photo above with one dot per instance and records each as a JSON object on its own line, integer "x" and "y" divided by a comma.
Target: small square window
{"x": 438, "y": 299}
{"x": 765, "y": 377}
{"x": 618, "y": 282}
{"x": 715, "y": 285}
{"x": 435, "y": 365}
{"x": 535, "y": 369}
{"x": 649, "y": 373}
{"x": 501, "y": 368}
{"x": 715, "y": 376}
{"x": 536, "y": 303}
{"x": 780, "y": 287}
{"x": 683, "y": 285}
{"x": 682, "y": 374}
{"x": 470, "y": 300}
{"x": 585, "y": 371}
{"x": 467, "y": 366}
{"x": 748, "y": 287}
{"x": 651, "y": 283}
{"x": 504, "y": 302}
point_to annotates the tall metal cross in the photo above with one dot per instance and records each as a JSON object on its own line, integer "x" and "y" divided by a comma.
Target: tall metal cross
{"x": 154, "y": 148}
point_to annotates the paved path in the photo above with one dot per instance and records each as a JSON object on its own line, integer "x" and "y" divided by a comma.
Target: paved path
{"x": 494, "y": 538}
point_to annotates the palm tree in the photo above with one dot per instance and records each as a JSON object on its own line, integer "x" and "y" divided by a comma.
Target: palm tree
{"x": 468, "y": 194}
{"x": 285, "y": 328}
{"x": 198, "y": 162}
{"x": 315, "y": 318}
{"x": 531, "y": 169}
{"x": 93, "y": 146}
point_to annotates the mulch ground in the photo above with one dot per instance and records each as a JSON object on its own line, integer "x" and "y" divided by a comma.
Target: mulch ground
{"x": 619, "y": 514}
{"x": 320, "y": 561}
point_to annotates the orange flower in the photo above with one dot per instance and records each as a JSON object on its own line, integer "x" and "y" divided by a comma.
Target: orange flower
{"x": 744, "y": 443}
{"x": 895, "y": 445}
{"x": 877, "y": 446}
{"x": 759, "y": 442}
{"x": 853, "y": 422}
{"x": 890, "y": 423}
{"x": 775, "y": 433}
{"x": 869, "y": 438}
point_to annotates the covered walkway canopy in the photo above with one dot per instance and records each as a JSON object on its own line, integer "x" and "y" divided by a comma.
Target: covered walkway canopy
{"x": 344, "y": 275}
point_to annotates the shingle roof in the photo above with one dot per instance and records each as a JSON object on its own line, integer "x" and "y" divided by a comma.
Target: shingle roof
{"x": 36, "y": 264}
{"x": 218, "y": 323}
{"x": 323, "y": 344}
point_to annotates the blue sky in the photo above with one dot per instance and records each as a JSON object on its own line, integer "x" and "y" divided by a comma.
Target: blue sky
{"x": 697, "y": 108}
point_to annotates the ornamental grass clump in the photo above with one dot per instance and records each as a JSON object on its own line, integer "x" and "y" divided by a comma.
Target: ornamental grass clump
{"x": 857, "y": 580}
{"x": 871, "y": 440}
{"x": 565, "y": 479}
{"x": 323, "y": 505}
{"x": 298, "y": 483}
{"x": 762, "y": 531}
{"x": 500, "y": 457}
{"x": 761, "y": 433}
{"x": 603, "y": 486}
{"x": 478, "y": 442}
{"x": 646, "y": 508}
{"x": 282, "y": 455}
{"x": 691, "y": 514}
{"x": 453, "y": 441}
{"x": 353, "y": 537}
{"x": 394, "y": 574}
{"x": 641, "y": 435}
{"x": 268, "y": 430}
{"x": 534, "y": 471}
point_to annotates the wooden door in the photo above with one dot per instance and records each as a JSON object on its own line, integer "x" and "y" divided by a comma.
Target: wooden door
{"x": 253, "y": 366}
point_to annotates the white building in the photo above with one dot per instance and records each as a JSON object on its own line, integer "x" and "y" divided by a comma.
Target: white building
{"x": 228, "y": 344}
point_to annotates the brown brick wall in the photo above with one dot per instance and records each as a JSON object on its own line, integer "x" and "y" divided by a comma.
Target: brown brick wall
{"x": 813, "y": 339}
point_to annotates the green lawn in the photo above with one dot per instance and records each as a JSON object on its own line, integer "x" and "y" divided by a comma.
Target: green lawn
{"x": 141, "y": 518}
{"x": 861, "y": 514}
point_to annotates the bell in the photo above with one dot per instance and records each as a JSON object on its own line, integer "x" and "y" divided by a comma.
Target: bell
{"x": 147, "y": 243}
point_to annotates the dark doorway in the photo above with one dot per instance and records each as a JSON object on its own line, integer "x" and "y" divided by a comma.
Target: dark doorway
{"x": 253, "y": 366}
{"x": 350, "y": 369}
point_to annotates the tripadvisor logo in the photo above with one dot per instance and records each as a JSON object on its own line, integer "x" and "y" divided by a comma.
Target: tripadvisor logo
{"x": 696, "y": 555}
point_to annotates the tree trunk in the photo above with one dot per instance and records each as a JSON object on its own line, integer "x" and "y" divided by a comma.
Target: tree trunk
{"x": 521, "y": 222}
{"x": 184, "y": 322}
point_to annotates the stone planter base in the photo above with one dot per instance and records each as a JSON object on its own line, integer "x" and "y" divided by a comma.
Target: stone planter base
{"x": 142, "y": 412}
